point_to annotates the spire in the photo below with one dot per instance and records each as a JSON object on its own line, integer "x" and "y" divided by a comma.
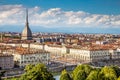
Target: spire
{"x": 26, "y": 17}
{"x": 26, "y": 34}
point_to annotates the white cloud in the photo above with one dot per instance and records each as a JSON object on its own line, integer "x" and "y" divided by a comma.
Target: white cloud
{"x": 55, "y": 17}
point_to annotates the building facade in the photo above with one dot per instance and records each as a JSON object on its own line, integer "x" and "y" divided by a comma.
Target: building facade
{"x": 80, "y": 53}
{"x": 35, "y": 57}
{"x": 6, "y": 61}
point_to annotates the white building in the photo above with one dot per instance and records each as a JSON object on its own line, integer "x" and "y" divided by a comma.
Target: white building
{"x": 53, "y": 49}
{"x": 24, "y": 55}
{"x": 115, "y": 53}
{"x": 81, "y": 53}
{"x": 32, "y": 57}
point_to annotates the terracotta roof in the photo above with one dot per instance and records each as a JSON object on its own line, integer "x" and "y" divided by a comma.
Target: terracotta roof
{"x": 5, "y": 55}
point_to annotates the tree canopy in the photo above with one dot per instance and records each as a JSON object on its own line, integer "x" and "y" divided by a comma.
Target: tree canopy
{"x": 86, "y": 72}
{"x": 81, "y": 75}
{"x": 81, "y": 72}
{"x": 82, "y": 68}
{"x": 65, "y": 75}
{"x": 35, "y": 72}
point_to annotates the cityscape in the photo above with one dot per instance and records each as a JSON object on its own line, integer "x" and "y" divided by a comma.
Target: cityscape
{"x": 41, "y": 41}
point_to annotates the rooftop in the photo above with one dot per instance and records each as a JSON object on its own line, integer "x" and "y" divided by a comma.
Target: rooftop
{"x": 5, "y": 55}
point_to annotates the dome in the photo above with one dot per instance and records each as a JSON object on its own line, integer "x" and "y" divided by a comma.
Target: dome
{"x": 26, "y": 33}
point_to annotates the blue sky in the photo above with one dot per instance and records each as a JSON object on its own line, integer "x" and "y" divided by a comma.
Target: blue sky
{"x": 91, "y": 6}
{"x": 89, "y": 16}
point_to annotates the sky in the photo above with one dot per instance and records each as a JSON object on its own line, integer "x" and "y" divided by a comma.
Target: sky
{"x": 72, "y": 16}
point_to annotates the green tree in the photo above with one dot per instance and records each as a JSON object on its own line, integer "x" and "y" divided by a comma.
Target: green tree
{"x": 118, "y": 78}
{"x": 81, "y": 75}
{"x": 14, "y": 79}
{"x": 117, "y": 70}
{"x": 37, "y": 72}
{"x": 94, "y": 75}
{"x": 76, "y": 70}
{"x": 28, "y": 67}
{"x": 65, "y": 75}
{"x": 108, "y": 73}
{"x": 86, "y": 68}
{"x": 1, "y": 74}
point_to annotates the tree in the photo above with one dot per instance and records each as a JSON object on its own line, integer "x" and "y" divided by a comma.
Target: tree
{"x": 14, "y": 79}
{"x": 118, "y": 78}
{"x": 1, "y": 74}
{"x": 81, "y": 75}
{"x": 86, "y": 68}
{"x": 108, "y": 73}
{"x": 37, "y": 72}
{"x": 117, "y": 70}
{"x": 94, "y": 75}
{"x": 65, "y": 75}
{"x": 28, "y": 67}
{"x": 76, "y": 70}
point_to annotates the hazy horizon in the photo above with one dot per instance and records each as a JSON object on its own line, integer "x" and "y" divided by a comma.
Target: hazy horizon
{"x": 60, "y": 30}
